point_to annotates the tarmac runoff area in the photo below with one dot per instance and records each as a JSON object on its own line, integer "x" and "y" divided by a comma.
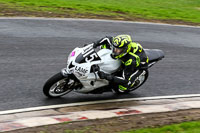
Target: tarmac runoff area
{"x": 34, "y": 117}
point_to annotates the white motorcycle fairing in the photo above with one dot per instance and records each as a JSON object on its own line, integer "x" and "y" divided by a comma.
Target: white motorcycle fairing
{"x": 80, "y": 62}
{"x": 81, "y": 76}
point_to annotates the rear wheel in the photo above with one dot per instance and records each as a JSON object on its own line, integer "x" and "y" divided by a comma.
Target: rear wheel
{"x": 58, "y": 85}
{"x": 138, "y": 82}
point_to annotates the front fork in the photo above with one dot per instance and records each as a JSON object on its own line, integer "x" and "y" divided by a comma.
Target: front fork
{"x": 67, "y": 75}
{"x": 64, "y": 72}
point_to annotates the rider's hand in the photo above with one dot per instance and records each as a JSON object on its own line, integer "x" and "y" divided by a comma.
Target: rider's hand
{"x": 85, "y": 45}
{"x": 95, "y": 44}
{"x": 103, "y": 75}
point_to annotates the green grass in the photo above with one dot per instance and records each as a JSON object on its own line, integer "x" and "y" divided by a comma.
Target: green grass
{"x": 184, "y": 10}
{"x": 186, "y": 127}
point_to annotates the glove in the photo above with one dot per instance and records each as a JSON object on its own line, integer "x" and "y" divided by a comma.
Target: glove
{"x": 103, "y": 75}
{"x": 95, "y": 68}
{"x": 95, "y": 44}
{"x": 85, "y": 45}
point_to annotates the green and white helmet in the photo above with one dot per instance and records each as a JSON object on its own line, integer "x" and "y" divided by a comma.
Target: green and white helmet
{"x": 121, "y": 45}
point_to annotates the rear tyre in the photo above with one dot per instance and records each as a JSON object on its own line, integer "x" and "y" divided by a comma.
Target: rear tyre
{"x": 57, "y": 86}
{"x": 139, "y": 82}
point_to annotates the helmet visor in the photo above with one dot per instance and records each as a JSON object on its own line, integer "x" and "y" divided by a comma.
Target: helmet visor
{"x": 118, "y": 51}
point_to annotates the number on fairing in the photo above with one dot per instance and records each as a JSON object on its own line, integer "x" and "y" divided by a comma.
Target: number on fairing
{"x": 90, "y": 55}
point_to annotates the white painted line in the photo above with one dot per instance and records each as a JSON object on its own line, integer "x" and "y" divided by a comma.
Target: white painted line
{"x": 97, "y": 20}
{"x": 96, "y": 102}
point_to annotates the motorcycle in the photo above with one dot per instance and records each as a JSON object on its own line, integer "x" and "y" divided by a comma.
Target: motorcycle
{"x": 81, "y": 73}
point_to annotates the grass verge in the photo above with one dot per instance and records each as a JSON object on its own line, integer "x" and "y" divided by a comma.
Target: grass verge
{"x": 186, "y": 127}
{"x": 179, "y": 10}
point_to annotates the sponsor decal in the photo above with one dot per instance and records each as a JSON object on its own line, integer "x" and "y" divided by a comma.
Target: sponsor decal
{"x": 73, "y": 53}
{"x": 81, "y": 70}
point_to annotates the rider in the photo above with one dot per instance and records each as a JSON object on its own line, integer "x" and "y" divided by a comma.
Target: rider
{"x": 132, "y": 56}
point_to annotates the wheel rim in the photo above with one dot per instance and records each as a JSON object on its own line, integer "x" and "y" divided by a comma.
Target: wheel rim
{"x": 141, "y": 79}
{"x": 61, "y": 87}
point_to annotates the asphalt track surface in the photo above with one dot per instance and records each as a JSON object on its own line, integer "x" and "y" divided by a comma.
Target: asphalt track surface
{"x": 32, "y": 50}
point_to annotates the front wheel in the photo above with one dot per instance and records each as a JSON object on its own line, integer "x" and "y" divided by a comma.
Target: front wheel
{"x": 58, "y": 85}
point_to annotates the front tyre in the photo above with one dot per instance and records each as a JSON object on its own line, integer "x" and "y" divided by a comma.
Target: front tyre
{"x": 57, "y": 86}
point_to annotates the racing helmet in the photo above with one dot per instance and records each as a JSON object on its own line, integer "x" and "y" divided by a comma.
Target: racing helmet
{"x": 121, "y": 45}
